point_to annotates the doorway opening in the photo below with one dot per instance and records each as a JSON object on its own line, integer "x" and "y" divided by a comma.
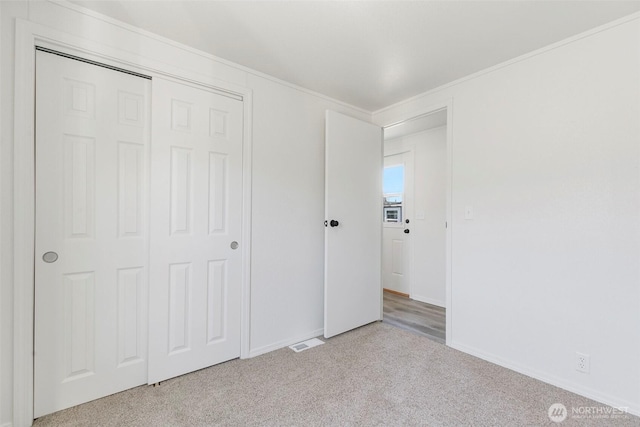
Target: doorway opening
{"x": 415, "y": 221}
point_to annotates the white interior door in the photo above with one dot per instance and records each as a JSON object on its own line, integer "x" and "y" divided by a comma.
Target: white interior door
{"x": 353, "y": 209}
{"x": 397, "y": 247}
{"x": 196, "y": 204}
{"x": 91, "y": 267}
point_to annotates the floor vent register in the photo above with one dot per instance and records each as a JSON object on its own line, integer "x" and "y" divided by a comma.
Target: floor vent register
{"x": 305, "y": 345}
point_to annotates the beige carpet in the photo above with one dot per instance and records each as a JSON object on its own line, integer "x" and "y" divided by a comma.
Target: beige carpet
{"x": 375, "y": 375}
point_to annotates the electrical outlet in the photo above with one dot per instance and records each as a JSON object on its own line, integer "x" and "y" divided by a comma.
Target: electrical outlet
{"x": 582, "y": 362}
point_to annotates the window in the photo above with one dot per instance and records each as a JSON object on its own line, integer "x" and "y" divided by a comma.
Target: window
{"x": 393, "y": 193}
{"x": 393, "y": 214}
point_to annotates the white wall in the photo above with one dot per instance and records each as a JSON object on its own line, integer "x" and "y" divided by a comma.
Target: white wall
{"x": 288, "y": 177}
{"x": 546, "y": 150}
{"x": 288, "y": 214}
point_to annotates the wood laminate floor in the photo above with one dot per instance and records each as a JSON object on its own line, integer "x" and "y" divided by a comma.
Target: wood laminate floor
{"x": 415, "y": 316}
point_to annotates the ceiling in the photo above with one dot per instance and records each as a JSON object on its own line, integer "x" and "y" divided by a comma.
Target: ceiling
{"x": 370, "y": 54}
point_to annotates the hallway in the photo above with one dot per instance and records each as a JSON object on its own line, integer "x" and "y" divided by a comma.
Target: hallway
{"x": 415, "y": 316}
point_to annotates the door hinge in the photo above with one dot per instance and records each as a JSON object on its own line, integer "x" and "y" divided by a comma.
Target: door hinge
{"x": 446, "y": 225}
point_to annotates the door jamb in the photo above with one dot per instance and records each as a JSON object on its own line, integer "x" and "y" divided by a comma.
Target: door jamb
{"x": 416, "y": 114}
{"x": 28, "y": 36}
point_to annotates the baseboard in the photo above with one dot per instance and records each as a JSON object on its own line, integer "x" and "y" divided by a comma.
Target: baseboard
{"x": 6, "y": 425}
{"x": 284, "y": 343}
{"x": 391, "y": 291}
{"x": 431, "y": 301}
{"x": 632, "y": 407}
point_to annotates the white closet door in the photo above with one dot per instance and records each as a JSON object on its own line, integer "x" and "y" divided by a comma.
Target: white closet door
{"x": 353, "y": 234}
{"x": 196, "y": 214}
{"x": 92, "y": 137}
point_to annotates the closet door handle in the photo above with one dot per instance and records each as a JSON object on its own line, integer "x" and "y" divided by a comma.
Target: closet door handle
{"x": 50, "y": 257}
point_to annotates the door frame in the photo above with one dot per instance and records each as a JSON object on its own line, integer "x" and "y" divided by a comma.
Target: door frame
{"x": 30, "y": 35}
{"x": 410, "y": 115}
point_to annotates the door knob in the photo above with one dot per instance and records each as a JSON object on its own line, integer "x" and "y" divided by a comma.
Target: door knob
{"x": 50, "y": 257}
{"x": 406, "y": 231}
{"x": 334, "y": 223}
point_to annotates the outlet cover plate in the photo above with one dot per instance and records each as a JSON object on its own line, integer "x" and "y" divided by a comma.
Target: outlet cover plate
{"x": 583, "y": 363}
